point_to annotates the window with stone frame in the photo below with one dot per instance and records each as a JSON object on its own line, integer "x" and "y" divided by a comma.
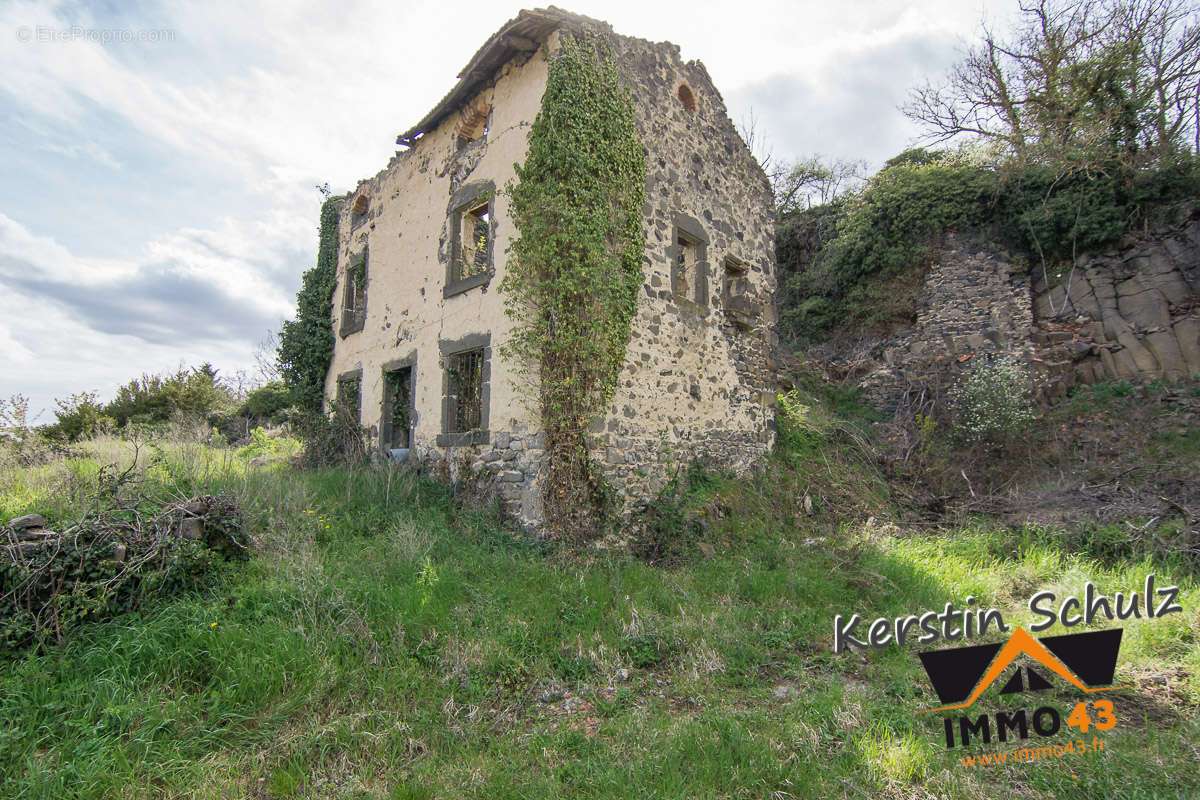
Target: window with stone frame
{"x": 474, "y": 251}
{"x": 741, "y": 305}
{"x": 464, "y": 391}
{"x": 349, "y": 396}
{"x": 470, "y": 235}
{"x": 354, "y": 295}
{"x": 688, "y": 253}
{"x": 398, "y": 408}
{"x": 736, "y": 282}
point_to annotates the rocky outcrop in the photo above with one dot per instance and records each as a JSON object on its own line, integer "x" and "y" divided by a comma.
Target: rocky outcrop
{"x": 1131, "y": 312}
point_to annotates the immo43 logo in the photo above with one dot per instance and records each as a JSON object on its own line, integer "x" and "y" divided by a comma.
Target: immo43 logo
{"x": 960, "y": 675}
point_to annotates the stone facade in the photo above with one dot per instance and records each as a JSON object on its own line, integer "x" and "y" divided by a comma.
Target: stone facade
{"x": 422, "y": 250}
{"x": 1129, "y": 313}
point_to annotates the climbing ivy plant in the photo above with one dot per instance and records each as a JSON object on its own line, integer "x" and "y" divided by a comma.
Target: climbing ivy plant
{"x": 572, "y": 282}
{"x": 306, "y": 343}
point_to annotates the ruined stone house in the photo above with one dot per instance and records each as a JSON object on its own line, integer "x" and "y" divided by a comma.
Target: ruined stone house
{"x": 419, "y": 319}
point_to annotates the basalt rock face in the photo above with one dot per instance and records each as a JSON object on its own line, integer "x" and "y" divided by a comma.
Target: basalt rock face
{"x": 1131, "y": 312}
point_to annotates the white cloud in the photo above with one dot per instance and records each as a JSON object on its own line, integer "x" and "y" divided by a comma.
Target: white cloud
{"x": 84, "y": 150}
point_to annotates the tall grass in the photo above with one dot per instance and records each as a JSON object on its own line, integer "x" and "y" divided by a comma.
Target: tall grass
{"x": 334, "y": 665}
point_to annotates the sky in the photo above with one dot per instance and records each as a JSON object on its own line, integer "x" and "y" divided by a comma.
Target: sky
{"x": 159, "y": 160}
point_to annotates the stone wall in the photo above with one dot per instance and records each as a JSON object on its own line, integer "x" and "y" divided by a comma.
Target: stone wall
{"x": 974, "y": 301}
{"x": 697, "y": 384}
{"x": 1131, "y": 312}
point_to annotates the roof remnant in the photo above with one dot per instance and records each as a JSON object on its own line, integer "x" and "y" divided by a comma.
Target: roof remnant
{"x": 522, "y": 34}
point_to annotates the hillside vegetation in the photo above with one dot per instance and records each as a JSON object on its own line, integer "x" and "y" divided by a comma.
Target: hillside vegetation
{"x": 856, "y": 262}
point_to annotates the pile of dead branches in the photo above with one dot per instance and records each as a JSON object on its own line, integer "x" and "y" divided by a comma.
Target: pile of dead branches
{"x": 107, "y": 562}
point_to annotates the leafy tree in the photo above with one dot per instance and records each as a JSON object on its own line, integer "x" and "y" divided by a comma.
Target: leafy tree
{"x": 1082, "y": 81}
{"x": 193, "y": 393}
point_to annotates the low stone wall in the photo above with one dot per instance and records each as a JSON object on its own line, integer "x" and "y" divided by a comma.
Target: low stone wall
{"x": 509, "y": 469}
{"x": 1131, "y": 312}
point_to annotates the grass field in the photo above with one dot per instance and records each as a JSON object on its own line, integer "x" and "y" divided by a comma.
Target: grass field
{"x": 386, "y": 643}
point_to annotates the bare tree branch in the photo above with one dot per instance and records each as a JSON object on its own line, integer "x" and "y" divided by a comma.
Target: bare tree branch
{"x": 1083, "y": 80}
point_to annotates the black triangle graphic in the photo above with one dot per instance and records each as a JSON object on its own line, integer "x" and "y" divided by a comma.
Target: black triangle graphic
{"x": 1015, "y": 684}
{"x": 1036, "y": 682}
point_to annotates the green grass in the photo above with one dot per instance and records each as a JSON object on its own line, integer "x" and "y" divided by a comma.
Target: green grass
{"x": 326, "y": 667}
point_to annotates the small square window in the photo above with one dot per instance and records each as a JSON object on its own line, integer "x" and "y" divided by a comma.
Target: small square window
{"x": 741, "y": 306}
{"x": 736, "y": 283}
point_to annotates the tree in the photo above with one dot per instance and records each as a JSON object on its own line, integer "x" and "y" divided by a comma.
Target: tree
{"x": 815, "y": 181}
{"x": 80, "y": 416}
{"x": 1082, "y": 82}
{"x": 192, "y": 393}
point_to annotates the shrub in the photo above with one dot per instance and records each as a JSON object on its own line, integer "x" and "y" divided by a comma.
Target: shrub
{"x": 332, "y": 440}
{"x": 649, "y": 650}
{"x": 79, "y": 417}
{"x": 991, "y": 402}
{"x": 269, "y": 402}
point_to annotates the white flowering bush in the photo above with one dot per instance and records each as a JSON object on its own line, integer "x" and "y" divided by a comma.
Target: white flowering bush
{"x": 992, "y": 402}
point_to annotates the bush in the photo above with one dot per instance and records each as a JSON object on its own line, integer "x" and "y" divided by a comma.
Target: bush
{"x": 991, "y": 402}
{"x": 79, "y": 417}
{"x": 193, "y": 394}
{"x": 269, "y": 403}
{"x": 333, "y": 439}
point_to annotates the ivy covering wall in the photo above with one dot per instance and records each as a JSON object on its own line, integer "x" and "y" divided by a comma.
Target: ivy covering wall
{"x": 306, "y": 343}
{"x": 572, "y": 282}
